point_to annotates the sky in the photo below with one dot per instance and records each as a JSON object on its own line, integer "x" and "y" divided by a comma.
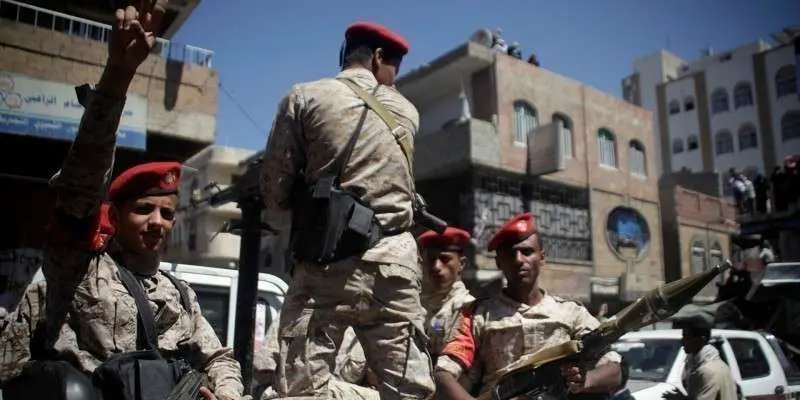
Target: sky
{"x": 263, "y": 47}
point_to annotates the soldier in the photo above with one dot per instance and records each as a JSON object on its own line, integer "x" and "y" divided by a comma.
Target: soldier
{"x": 350, "y": 375}
{"x": 96, "y": 250}
{"x": 492, "y": 333}
{"x": 444, "y": 293}
{"x": 377, "y": 290}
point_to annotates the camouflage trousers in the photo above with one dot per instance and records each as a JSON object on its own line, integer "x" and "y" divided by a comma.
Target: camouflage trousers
{"x": 337, "y": 389}
{"x": 382, "y": 304}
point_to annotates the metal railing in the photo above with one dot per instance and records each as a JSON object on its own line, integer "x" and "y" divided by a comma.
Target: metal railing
{"x": 75, "y": 26}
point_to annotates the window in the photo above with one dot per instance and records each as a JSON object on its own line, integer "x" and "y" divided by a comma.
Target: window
{"x": 790, "y": 126}
{"x": 742, "y": 95}
{"x": 715, "y": 254}
{"x": 748, "y": 139}
{"x": 719, "y": 101}
{"x": 565, "y": 133}
{"x": 524, "y": 121}
{"x": 748, "y": 354}
{"x": 698, "y": 258}
{"x": 688, "y": 103}
{"x": 674, "y": 107}
{"x": 637, "y": 164}
{"x": 786, "y": 81}
{"x": 723, "y": 141}
{"x": 214, "y": 302}
{"x": 677, "y": 146}
{"x": 607, "y": 146}
{"x": 692, "y": 143}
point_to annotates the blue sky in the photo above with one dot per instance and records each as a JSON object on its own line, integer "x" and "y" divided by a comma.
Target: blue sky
{"x": 262, "y": 47}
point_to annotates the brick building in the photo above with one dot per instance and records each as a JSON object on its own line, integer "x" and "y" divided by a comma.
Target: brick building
{"x": 599, "y": 213}
{"x": 48, "y": 48}
{"x": 697, "y": 227}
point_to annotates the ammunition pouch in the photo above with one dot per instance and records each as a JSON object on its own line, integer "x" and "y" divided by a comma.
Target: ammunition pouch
{"x": 331, "y": 224}
{"x": 139, "y": 375}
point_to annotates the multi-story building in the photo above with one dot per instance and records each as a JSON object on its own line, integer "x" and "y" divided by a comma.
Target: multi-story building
{"x": 47, "y": 48}
{"x": 734, "y": 109}
{"x": 482, "y": 114}
{"x": 202, "y": 235}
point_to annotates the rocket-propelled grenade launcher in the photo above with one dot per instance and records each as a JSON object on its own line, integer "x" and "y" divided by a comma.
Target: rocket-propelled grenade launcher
{"x": 540, "y": 373}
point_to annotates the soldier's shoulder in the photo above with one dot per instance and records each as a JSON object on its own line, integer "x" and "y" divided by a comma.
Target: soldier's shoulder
{"x": 568, "y": 302}
{"x": 407, "y": 107}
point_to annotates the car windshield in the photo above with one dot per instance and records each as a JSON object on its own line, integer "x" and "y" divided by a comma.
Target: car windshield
{"x": 649, "y": 359}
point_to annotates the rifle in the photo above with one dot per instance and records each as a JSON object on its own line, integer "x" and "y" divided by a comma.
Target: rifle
{"x": 539, "y": 374}
{"x": 425, "y": 218}
{"x": 188, "y": 388}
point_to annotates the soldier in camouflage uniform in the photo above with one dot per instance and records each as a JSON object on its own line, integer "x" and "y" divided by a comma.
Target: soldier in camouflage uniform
{"x": 492, "y": 333}
{"x": 350, "y": 376}
{"x": 377, "y": 292}
{"x": 86, "y": 311}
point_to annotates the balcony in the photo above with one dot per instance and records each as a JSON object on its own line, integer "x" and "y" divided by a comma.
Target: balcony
{"x": 84, "y": 28}
{"x": 456, "y": 147}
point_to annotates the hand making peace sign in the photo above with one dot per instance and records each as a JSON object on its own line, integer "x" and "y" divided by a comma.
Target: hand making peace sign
{"x": 134, "y": 34}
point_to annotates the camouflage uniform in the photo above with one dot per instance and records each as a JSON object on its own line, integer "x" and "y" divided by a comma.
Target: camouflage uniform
{"x": 495, "y": 332}
{"x": 442, "y": 314}
{"x": 377, "y": 293}
{"x": 85, "y": 296}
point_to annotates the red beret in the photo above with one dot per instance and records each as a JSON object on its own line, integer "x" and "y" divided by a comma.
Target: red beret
{"x": 514, "y": 231}
{"x": 452, "y": 239}
{"x": 371, "y": 30}
{"x": 150, "y": 179}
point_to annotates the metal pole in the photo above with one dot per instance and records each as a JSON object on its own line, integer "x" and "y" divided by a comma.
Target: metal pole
{"x": 249, "y": 252}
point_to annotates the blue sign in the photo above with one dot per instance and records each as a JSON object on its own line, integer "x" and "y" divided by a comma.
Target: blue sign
{"x": 51, "y": 110}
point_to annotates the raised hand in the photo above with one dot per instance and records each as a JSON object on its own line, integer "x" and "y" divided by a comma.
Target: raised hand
{"x": 134, "y": 34}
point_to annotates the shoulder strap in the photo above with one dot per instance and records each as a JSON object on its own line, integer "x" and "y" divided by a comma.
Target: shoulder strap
{"x": 146, "y": 337}
{"x": 388, "y": 119}
{"x": 185, "y": 302}
{"x": 343, "y": 157}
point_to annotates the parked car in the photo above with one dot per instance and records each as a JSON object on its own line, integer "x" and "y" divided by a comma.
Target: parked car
{"x": 756, "y": 359}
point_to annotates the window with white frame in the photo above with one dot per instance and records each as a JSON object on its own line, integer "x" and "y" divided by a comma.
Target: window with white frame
{"x": 719, "y": 101}
{"x": 565, "y": 134}
{"x": 742, "y": 95}
{"x": 698, "y": 260}
{"x": 637, "y": 164}
{"x": 715, "y": 254}
{"x": 786, "y": 81}
{"x": 748, "y": 137}
{"x": 723, "y": 142}
{"x": 677, "y": 146}
{"x": 674, "y": 107}
{"x": 525, "y": 121}
{"x": 790, "y": 126}
{"x": 692, "y": 143}
{"x": 607, "y": 148}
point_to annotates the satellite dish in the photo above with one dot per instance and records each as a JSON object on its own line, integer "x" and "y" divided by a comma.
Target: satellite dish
{"x": 482, "y": 36}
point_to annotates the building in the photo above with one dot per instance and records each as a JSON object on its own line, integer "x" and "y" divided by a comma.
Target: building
{"x": 201, "y": 236}
{"x": 696, "y": 226}
{"x": 733, "y": 109}
{"x": 47, "y": 48}
{"x": 482, "y": 112}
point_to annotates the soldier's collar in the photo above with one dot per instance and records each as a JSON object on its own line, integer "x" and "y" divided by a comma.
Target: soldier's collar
{"x": 360, "y": 75}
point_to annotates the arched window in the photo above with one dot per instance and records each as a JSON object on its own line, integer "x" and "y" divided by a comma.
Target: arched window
{"x": 677, "y": 146}
{"x": 637, "y": 163}
{"x": 607, "y": 148}
{"x": 742, "y": 95}
{"x": 698, "y": 257}
{"x": 790, "y": 126}
{"x": 688, "y": 103}
{"x": 719, "y": 101}
{"x": 525, "y": 120}
{"x": 692, "y": 143}
{"x": 674, "y": 107}
{"x": 565, "y": 133}
{"x": 786, "y": 81}
{"x": 748, "y": 137}
{"x": 715, "y": 254}
{"x": 723, "y": 142}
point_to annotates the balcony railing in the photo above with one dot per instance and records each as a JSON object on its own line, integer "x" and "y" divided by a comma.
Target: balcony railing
{"x": 64, "y": 23}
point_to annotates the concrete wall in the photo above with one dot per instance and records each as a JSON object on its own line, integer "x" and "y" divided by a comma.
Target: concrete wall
{"x": 182, "y": 98}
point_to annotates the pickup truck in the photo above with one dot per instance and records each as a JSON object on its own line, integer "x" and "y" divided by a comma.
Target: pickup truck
{"x": 756, "y": 359}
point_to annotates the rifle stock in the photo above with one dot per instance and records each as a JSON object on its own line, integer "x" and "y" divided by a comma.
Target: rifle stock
{"x": 539, "y": 373}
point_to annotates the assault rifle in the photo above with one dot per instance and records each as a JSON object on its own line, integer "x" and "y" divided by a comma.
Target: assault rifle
{"x": 539, "y": 374}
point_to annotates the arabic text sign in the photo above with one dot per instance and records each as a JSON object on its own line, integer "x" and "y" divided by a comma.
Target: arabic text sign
{"x": 48, "y": 109}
